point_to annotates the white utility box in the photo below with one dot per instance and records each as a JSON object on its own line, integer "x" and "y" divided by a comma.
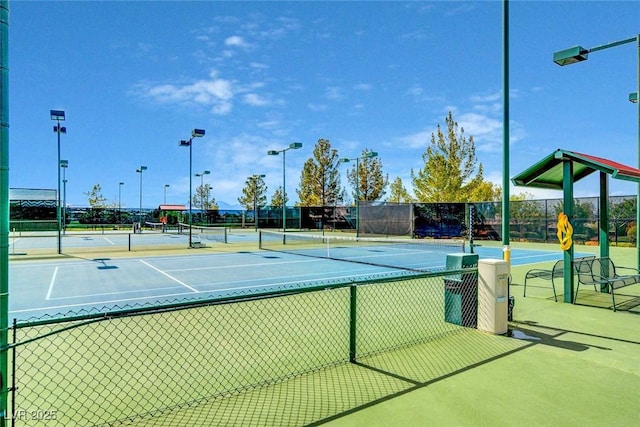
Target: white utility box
{"x": 493, "y": 295}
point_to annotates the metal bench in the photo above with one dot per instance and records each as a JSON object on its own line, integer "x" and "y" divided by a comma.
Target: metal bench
{"x": 604, "y": 273}
{"x": 557, "y": 272}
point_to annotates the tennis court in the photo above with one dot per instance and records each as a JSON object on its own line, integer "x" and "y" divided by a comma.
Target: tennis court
{"x": 78, "y": 284}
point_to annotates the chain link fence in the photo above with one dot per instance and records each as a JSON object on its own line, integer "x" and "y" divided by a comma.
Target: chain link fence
{"x": 271, "y": 359}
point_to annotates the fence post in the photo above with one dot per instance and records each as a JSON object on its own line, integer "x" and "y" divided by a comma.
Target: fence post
{"x": 352, "y": 323}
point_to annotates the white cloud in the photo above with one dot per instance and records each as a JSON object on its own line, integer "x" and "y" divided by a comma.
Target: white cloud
{"x": 236, "y": 41}
{"x": 215, "y": 92}
{"x": 255, "y": 100}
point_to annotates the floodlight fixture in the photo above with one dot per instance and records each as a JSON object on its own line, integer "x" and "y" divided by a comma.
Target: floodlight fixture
{"x": 64, "y": 163}
{"x": 195, "y": 133}
{"x": 57, "y": 115}
{"x": 292, "y": 146}
{"x": 570, "y": 56}
{"x": 365, "y": 155}
{"x": 633, "y": 97}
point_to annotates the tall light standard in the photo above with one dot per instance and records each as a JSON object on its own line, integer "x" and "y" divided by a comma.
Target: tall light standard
{"x": 366, "y": 155}
{"x": 196, "y": 133}
{"x": 292, "y": 146}
{"x": 64, "y": 164}
{"x": 140, "y": 170}
{"x": 203, "y": 193}
{"x": 579, "y": 54}
{"x": 120, "y": 184}
{"x": 254, "y": 188}
{"x": 164, "y": 200}
{"x": 58, "y": 116}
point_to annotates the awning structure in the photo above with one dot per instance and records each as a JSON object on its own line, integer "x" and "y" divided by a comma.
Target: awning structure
{"x": 548, "y": 172}
{"x": 172, "y": 207}
{"x": 558, "y": 171}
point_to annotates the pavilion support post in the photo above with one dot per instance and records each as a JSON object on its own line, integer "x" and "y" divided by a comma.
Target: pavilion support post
{"x": 604, "y": 215}
{"x": 567, "y": 186}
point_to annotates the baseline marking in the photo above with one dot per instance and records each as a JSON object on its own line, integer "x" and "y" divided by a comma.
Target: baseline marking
{"x": 51, "y": 283}
{"x": 170, "y": 276}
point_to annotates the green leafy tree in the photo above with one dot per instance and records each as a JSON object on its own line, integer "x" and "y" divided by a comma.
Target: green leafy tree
{"x": 398, "y": 192}
{"x": 202, "y": 199}
{"x": 277, "y": 198}
{"x": 96, "y": 200}
{"x": 526, "y": 214}
{"x": 368, "y": 178}
{"x": 320, "y": 177}
{"x": 253, "y": 193}
{"x": 97, "y": 203}
{"x": 451, "y": 172}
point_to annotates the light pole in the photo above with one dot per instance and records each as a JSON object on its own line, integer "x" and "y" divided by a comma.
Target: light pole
{"x": 203, "y": 193}
{"x": 64, "y": 164}
{"x": 292, "y": 146}
{"x": 196, "y": 133}
{"x": 58, "y": 116}
{"x": 120, "y": 184}
{"x": 579, "y": 54}
{"x": 254, "y": 181}
{"x": 140, "y": 170}
{"x": 165, "y": 193}
{"x": 366, "y": 155}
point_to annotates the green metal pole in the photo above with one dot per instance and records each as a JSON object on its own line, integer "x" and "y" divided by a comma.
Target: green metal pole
{"x": 638, "y": 198}
{"x": 353, "y": 316}
{"x": 604, "y": 215}
{"x": 357, "y": 197}
{"x": 4, "y": 206}
{"x": 567, "y": 185}
{"x": 284, "y": 193}
{"x": 505, "y": 123}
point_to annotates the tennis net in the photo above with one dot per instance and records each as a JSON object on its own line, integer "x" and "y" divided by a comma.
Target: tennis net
{"x": 200, "y": 232}
{"x": 406, "y": 254}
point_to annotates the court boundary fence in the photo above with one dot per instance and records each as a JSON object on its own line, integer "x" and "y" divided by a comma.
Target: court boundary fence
{"x": 124, "y": 366}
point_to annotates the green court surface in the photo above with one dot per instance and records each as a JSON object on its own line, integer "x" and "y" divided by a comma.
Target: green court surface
{"x": 560, "y": 364}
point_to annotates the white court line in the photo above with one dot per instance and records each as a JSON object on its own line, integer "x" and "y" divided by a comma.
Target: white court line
{"x": 53, "y": 280}
{"x": 98, "y": 303}
{"x": 257, "y": 264}
{"x": 169, "y": 276}
{"x": 109, "y": 241}
{"x": 104, "y": 294}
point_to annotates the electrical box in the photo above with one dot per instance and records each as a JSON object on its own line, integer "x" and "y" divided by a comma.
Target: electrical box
{"x": 493, "y": 295}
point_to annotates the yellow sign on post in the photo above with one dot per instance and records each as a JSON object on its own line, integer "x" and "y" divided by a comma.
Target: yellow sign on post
{"x": 565, "y": 232}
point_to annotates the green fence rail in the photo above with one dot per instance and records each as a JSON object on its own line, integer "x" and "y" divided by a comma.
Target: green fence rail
{"x": 209, "y": 362}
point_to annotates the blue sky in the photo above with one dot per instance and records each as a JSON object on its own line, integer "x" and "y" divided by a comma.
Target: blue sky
{"x": 134, "y": 78}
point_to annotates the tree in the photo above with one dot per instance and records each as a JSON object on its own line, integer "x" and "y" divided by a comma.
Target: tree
{"x": 451, "y": 172}
{"x": 399, "y": 193}
{"x": 368, "y": 178}
{"x": 253, "y": 193}
{"x": 96, "y": 200}
{"x": 202, "y": 199}
{"x": 277, "y": 197}
{"x": 320, "y": 178}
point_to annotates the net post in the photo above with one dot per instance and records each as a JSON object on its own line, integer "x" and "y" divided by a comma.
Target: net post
{"x": 259, "y": 239}
{"x": 129, "y": 242}
{"x": 352, "y": 322}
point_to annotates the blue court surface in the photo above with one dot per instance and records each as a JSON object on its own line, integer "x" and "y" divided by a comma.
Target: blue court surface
{"x": 52, "y": 287}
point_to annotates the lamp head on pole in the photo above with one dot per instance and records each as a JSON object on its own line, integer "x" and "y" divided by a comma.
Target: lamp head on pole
{"x": 197, "y": 133}
{"x": 64, "y": 163}
{"x": 295, "y": 145}
{"x": 570, "y": 56}
{"x": 633, "y": 97}
{"x": 57, "y": 115}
